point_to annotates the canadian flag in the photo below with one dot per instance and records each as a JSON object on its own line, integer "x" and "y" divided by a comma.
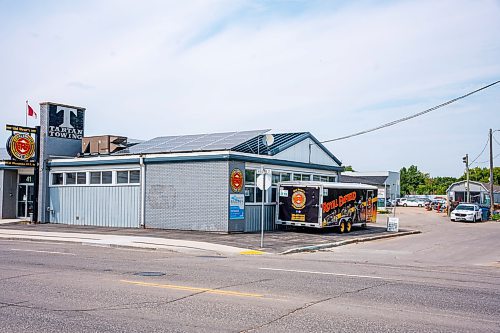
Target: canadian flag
{"x": 31, "y": 112}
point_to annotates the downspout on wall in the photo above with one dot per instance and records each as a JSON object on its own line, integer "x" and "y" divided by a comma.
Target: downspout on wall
{"x": 142, "y": 222}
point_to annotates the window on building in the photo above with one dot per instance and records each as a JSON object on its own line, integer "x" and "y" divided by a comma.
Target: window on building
{"x": 81, "y": 178}
{"x": 332, "y": 179}
{"x": 57, "y": 178}
{"x": 107, "y": 177}
{"x": 135, "y": 177}
{"x": 275, "y": 178}
{"x": 301, "y": 176}
{"x": 254, "y": 195}
{"x": 70, "y": 178}
{"x": 249, "y": 194}
{"x": 95, "y": 177}
{"x": 285, "y": 176}
{"x": 249, "y": 176}
{"x": 128, "y": 177}
{"x": 321, "y": 178}
{"x": 122, "y": 177}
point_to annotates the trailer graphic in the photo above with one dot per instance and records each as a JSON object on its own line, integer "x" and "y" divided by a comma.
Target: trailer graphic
{"x": 324, "y": 205}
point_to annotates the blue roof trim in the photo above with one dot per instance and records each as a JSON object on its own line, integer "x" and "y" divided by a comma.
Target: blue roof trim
{"x": 242, "y": 158}
{"x": 286, "y": 163}
{"x": 180, "y": 159}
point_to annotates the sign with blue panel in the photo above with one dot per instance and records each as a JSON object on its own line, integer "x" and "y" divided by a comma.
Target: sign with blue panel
{"x": 236, "y": 206}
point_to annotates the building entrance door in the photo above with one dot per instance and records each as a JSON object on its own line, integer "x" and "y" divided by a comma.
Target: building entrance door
{"x": 25, "y": 196}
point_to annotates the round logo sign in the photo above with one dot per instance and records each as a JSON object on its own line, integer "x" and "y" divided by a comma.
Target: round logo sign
{"x": 236, "y": 180}
{"x": 21, "y": 146}
{"x": 298, "y": 199}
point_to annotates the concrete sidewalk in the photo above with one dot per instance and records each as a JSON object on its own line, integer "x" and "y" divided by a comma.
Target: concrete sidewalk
{"x": 275, "y": 242}
{"x": 153, "y": 243}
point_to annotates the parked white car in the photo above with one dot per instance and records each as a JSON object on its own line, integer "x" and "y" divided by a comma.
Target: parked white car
{"x": 466, "y": 212}
{"x": 412, "y": 202}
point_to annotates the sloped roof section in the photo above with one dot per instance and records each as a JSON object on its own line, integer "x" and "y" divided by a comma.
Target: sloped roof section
{"x": 256, "y": 146}
{"x": 192, "y": 143}
{"x": 282, "y": 141}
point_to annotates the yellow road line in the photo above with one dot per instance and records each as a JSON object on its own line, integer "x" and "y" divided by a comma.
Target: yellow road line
{"x": 195, "y": 289}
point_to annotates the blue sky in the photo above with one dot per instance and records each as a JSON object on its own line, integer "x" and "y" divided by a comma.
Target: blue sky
{"x": 149, "y": 68}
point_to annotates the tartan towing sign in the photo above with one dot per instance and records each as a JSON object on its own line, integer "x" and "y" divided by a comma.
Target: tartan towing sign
{"x": 21, "y": 146}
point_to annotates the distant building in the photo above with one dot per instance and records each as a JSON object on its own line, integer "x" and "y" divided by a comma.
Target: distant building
{"x": 479, "y": 192}
{"x": 388, "y": 182}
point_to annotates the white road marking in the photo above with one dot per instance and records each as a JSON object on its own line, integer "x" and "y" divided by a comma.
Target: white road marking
{"x": 40, "y": 251}
{"x": 326, "y": 273}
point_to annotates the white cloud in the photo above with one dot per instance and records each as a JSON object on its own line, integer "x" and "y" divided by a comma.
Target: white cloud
{"x": 158, "y": 68}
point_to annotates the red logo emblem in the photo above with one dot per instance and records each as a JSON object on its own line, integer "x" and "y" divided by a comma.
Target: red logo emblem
{"x": 21, "y": 146}
{"x": 236, "y": 180}
{"x": 298, "y": 199}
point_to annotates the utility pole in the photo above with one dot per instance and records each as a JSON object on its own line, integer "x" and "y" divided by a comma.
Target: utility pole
{"x": 492, "y": 198}
{"x": 466, "y": 161}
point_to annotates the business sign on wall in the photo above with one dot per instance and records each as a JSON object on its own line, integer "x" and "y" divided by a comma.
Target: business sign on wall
{"x": 65, "y": 122}
{"x": 236, "y": 207}
{"x": 21, "y": 146}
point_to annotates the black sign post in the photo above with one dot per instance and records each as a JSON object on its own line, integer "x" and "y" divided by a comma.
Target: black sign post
{"x": 36, "y": 174}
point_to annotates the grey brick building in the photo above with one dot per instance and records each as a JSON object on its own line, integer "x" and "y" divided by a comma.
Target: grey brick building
{"x": 193, "y": 182}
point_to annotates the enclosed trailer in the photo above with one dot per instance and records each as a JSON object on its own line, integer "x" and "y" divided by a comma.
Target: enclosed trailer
{"x": 324, "y": 205}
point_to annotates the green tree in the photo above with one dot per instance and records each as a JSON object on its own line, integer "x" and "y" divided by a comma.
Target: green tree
{"x": 348, "y": 168}
{"x": 414, "y": 181}
{"x": 410, "y": 179}
{"x": 483, "y": 175}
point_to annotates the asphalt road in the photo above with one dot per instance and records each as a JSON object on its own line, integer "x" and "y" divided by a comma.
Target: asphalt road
{"x": 446, "y": 279}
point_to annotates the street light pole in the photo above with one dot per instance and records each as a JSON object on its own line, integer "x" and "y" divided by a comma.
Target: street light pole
{"x": 492, "y": 197}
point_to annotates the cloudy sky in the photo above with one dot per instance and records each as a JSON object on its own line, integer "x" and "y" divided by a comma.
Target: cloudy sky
{"x": 151, "y": 68}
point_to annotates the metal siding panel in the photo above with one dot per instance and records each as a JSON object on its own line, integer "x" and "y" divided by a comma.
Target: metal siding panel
{"x": 253, "y": 218}
{"x": 187, "y": 196}
{"x": 112, "y": 206}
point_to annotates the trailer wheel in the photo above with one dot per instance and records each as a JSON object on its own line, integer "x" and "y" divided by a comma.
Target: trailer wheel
{"x": 348, "y": 226}
{"x": 341, "y": 227}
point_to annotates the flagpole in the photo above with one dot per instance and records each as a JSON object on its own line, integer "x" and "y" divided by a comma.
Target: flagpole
{"x": 26, "y": 113}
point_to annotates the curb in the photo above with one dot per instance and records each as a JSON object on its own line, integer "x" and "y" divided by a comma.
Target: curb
{"x": 312, "y": 248}
{"x": 152, "y": 247}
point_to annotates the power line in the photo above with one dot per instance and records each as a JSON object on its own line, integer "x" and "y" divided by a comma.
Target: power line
{"x": 482, "y": 151}
{"x": 495, "y": 139}
{"x": 487, "y": 161}
{"x": 412, "y": 116}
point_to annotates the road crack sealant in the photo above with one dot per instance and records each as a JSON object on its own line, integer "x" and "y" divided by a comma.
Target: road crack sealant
{"x": 309, "y": 304}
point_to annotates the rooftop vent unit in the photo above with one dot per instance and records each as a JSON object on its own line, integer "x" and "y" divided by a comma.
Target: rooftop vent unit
{"x": 103, "y": 144}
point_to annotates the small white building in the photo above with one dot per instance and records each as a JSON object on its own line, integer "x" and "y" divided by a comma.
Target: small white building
{"x": 479, "y": 192}
{"x": 387, "y": 182}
